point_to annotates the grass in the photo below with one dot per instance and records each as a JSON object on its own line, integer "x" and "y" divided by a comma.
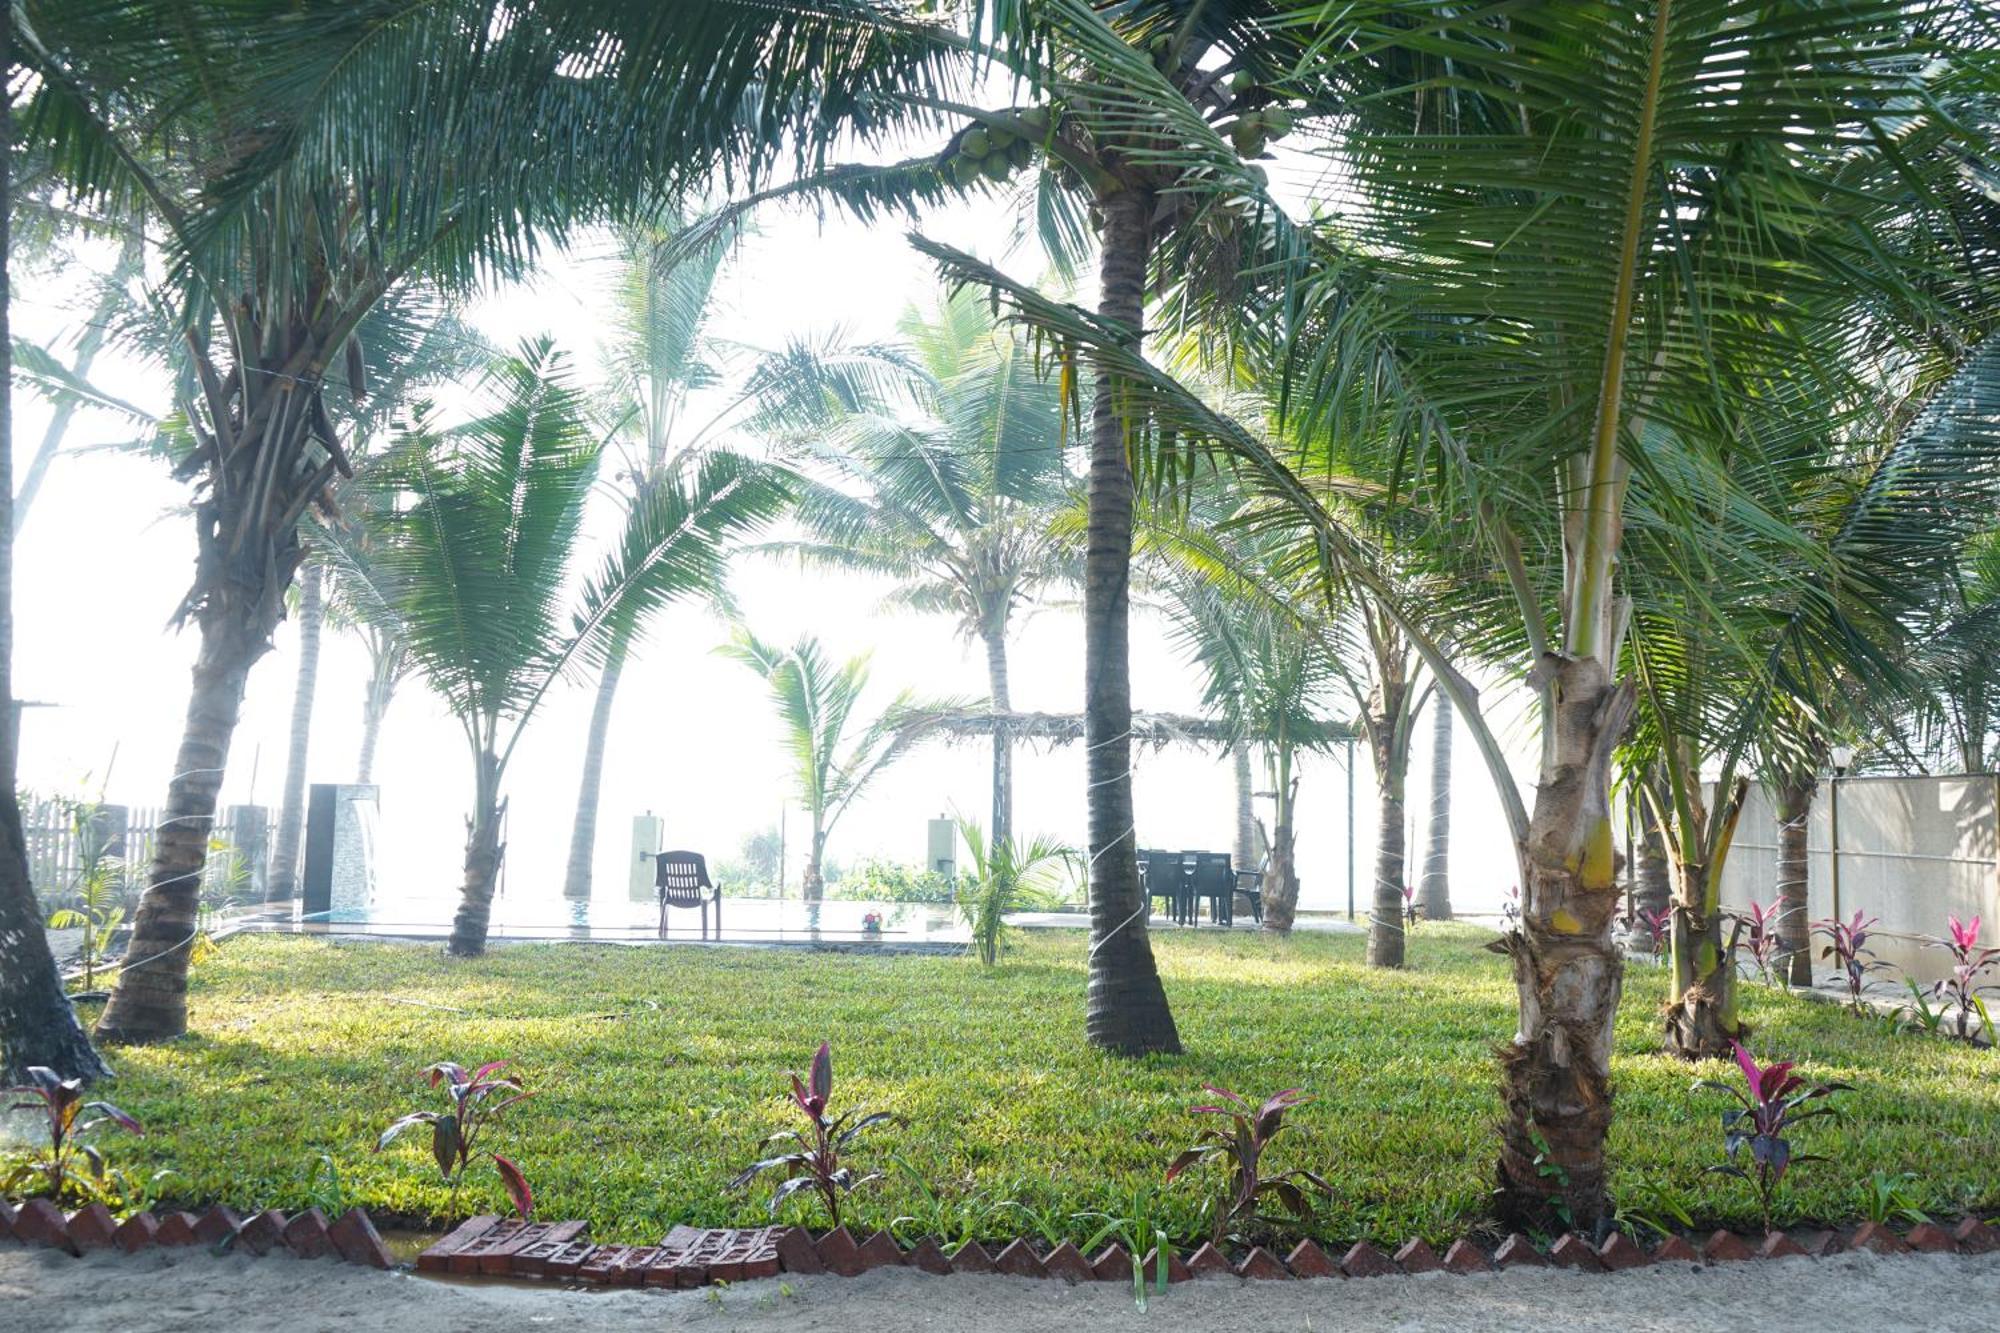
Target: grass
{"x": 660, "y": 1070}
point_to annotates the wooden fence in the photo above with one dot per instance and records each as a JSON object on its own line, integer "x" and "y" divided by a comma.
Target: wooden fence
{"x": 65, "y": 839}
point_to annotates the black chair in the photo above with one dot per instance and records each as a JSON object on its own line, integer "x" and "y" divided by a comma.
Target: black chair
{"x": 1250, "y": 885}
{"x": 1166, "y": 877}
{"x": 683, "y": 881}
{"x": 1215, "y": 881}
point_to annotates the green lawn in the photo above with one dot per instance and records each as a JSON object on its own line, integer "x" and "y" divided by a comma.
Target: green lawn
{"x": 659, "y": 1070}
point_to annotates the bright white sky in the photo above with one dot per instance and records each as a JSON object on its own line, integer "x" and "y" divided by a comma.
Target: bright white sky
{"x": 106, "y": 553}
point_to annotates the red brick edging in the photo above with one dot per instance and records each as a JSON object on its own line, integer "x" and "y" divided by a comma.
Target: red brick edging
{"x": 489, "y": 1245}
{"x": 692, "y": 1257}
{"x": 352, "y": 1238}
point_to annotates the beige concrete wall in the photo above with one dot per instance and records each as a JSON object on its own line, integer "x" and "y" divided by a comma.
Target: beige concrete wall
{"x": 1911, "y": 850}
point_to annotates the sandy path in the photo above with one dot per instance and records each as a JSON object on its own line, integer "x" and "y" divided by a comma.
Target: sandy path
{"x": 193, "y": 1291}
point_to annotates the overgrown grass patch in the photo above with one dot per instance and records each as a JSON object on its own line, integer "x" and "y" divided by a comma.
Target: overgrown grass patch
{"x": 659, "y": 1070}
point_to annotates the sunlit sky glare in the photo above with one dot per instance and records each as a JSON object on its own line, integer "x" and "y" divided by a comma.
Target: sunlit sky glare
{"x": 107, "y": 551}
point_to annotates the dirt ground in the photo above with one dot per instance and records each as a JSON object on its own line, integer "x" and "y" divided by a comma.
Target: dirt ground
{"x": 195, "y": 1291}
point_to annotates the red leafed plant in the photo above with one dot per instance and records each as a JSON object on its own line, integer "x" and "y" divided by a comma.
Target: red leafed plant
{"x": 1763, "y": 938}
{"x": 61, "y": 1103}
{"x": 1847, "y": 946}
{"x": 1243, "y": 1145}
{"x": 815, "y": 1162}
{"x": 1657, "y": 920}
{"x": 1969, "y": 962}
{"x": 455, "y": 1133}
{"x": 1774, "y": 1104}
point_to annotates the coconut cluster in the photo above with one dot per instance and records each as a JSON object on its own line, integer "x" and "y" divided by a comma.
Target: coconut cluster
{"x": 996, "y": 152}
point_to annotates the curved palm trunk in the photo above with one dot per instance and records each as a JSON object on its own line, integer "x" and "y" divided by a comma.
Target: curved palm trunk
{"x": 483, "y": 854}
{"x": 1434, "y": 891}
{"x": 37, "y": 1024}
{"x": 1795, "y": 800}
{"x": 1126, "y": 1006}
{"x": 1003, "y": 744}
{"x": 583, "y": 833}
{"x": 150, "y": 1001}
{"x": 284, "y": 885}
{"x": 387, "y": 670}
{"x": 1555, "y": 1078}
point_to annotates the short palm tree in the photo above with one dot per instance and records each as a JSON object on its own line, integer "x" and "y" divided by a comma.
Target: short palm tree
{"x": 1004, "y": 876}
{"x": 939, "y": 465}
{"x": 482, "y": 549}
{"x": 835, "y": 755}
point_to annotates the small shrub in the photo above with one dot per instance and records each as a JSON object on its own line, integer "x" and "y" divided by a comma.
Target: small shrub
{"x": 456, "y": 1133}
{"x": 1847, "y": 946}
{"x": 53, "y": 1173}
{"x": 816, "y": 1164}
{"x": 1409, "y": 907}
{"x": 1242, "y": 1146}
{"x": 1658, "y": 922}
{"x": 1888, "y": 1198}
{"x": 1771, "y": 1108}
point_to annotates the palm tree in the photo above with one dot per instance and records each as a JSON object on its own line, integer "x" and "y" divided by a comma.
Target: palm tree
{"x": 393, "y": 142}
{"x": 834, "y": 755}
{"x": 660, "y": 354}
{"x": 37, "y": 1024}
{"x": 481, "y": 563}
{"x": 942, "y": 469}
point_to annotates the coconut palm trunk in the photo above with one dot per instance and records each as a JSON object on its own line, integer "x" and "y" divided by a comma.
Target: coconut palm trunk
{"x": 483, "y": 854}
{"x": 1003, "y": 744}
{"x": 37, "y": 1024}
{"x": 284, "y": 885}
{"x": 150, "y": 1002}
{"x": 1126, "y": 1006}
{"x": 813, "y": 889}
{"x": 583, "y": 833}
{"x": 1281, "y": 877}
{"x": 1795, "y": 801}
{"x": 1434, "y": 892}
{"x": 1655, "y": 882}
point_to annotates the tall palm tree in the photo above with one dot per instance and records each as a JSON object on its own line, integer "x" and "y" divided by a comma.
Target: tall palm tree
{"x": 37, "y": 1024}
{"x": 287, "y": 845}
{"x": 659, "y": 355}
{"x": 940, "y": 465}
{"x": 481, "y": 561}
{"x": 835, "y": 755}
{"x": 394, "y": 140}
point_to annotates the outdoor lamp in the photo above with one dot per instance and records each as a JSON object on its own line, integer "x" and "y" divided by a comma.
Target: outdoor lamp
{"x": 1843, "y": 759}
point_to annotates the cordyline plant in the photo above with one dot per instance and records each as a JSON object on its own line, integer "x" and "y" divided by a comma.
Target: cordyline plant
{"x": 1770, "y": 1109}
{"x": 1847, "y": 946}
{"x": 53, "y": 1174}
{"x": 1762, "y": 940}
{"x": 1658, "y": 921}
{"x": 816, "y": 1164}
{"x": 455, "y": 1133}
{"x": 1243, "y": 1145}
{"x": 1969, "y": 962}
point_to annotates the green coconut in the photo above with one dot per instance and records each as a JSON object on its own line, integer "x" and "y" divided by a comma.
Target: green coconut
{"x": 976, "y": 143}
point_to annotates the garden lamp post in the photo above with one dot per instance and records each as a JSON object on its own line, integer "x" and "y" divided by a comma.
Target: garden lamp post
{"x": 1843, "y": 757}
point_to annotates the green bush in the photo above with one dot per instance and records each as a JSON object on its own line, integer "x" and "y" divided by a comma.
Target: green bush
{"x": 877, "y": 881}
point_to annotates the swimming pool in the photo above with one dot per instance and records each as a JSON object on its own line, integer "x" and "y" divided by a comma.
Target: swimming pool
{"x": 609, "y": 919}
